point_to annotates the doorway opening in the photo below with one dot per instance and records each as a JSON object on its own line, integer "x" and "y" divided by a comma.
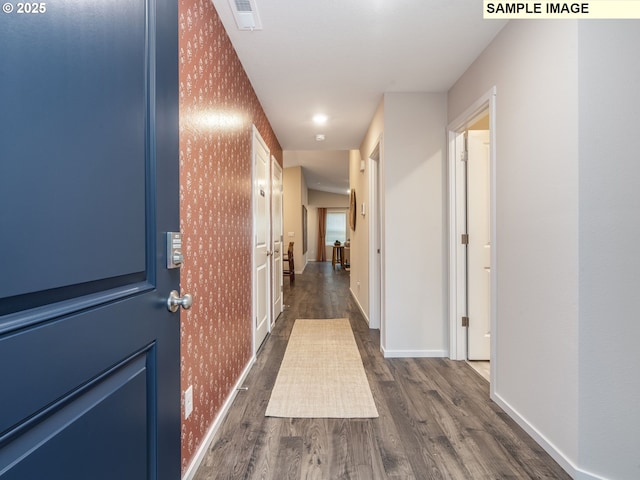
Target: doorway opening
{"x": 376, "y": 297}
{"x": 472, "y": 236}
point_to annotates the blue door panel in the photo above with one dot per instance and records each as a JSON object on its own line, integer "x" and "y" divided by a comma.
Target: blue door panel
{"x": 74, "y": 119}
{"x": 89, "y": 353}
{"x": 88, "y": 436}
{"x": 59, "y": 356}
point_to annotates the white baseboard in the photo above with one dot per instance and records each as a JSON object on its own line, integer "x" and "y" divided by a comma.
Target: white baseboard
{"x": 584, "y": 475}
{"x": 540, "y": 439}
{"x": 301, "y": 271}
{"x": 413, "y": 353}
{"x": 366, "y": 318}
{"x": 206, "y": 441}
{"x": 565, "y": 462}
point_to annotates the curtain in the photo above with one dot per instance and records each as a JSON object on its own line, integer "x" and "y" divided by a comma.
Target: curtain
{"x": 322, "y": 229}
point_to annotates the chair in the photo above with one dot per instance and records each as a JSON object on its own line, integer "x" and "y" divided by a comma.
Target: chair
{"x": 288, "y": 268}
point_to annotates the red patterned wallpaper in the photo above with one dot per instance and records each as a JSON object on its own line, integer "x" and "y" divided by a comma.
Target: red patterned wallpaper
{"x": 217, "y": 109}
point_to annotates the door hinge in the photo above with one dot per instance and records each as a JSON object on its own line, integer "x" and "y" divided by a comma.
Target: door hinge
{"x": 465, "y": 321}
{"x": 464, "y": 239}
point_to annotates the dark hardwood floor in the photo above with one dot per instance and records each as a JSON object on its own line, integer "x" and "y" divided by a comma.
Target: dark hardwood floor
{"x": 436, "y": 420}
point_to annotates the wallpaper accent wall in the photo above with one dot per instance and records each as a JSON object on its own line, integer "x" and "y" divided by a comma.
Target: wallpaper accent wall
{"x": 217, "y": 109}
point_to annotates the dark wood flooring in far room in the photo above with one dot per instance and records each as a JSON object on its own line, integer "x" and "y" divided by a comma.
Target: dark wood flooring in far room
{"x": 436, "y": 420}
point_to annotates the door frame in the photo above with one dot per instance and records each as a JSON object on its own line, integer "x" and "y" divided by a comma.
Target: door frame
{"x": 256, "y": 137}
{"x": 457, "y": 213}
{"x": 376, "y": 271}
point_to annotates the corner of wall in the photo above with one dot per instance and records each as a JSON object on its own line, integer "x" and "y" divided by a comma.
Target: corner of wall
{"x": 215, "y": 183}
{"x": 293, "y": 190}
{"x": 359, "y": 238}
{"x": 533, "y": 65}
{"x": 414, "y": 171}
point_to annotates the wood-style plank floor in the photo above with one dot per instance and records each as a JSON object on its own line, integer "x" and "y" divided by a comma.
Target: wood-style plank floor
{"x": 436, "y": 419}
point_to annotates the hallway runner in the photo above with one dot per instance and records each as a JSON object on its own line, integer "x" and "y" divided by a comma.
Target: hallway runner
{"x": 321, "y": 375}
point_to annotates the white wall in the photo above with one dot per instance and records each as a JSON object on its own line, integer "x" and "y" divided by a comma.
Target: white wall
{"x": 295, "y": 195}
{"x": 359, "y": 181}
{"x": 533, "y": 64}
{"x": 567, "y": 206}
{"x": 609, "y": 380}
{"x": 414, "y": 224}
{"x": 567, "y": 196}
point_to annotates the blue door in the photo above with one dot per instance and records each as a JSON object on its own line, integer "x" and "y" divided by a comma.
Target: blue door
{"x": 89, "y": 352}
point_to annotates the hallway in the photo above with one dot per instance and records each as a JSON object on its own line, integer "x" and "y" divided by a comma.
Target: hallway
{"x": 436, "y": 419}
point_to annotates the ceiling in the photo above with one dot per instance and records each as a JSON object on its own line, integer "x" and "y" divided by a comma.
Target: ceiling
{"x": 339, "y": 57}
{"x": 324, "y": 170}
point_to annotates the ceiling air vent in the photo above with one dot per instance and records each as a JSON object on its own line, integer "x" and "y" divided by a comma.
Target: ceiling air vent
{"x": 246, "y": 14}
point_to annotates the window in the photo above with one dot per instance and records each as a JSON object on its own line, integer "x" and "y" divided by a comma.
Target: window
{"x": 336, "y": 227}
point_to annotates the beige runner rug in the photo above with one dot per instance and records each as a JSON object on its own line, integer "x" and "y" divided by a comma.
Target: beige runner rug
{"x": 321, "y": 375}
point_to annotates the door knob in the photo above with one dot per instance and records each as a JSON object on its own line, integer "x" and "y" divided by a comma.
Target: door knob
{"x": 175, "y": 301}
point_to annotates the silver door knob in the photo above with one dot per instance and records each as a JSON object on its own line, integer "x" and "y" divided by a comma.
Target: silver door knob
{"x": 175, "y": 301}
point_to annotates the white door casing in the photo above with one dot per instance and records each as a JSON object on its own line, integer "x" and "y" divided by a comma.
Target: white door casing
{"x": 262, "y": 240}
{"x": 277, "y": 233}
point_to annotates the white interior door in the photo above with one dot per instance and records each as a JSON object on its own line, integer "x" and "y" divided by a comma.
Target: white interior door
{"x": 479, "y": 247}
{"x": 277, "y": 232}
{"x": 261, "y": 205}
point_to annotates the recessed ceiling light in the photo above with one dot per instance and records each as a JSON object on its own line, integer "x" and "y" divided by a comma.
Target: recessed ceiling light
{"x": 320, "y": 137}
{"x": 320, "y": 119}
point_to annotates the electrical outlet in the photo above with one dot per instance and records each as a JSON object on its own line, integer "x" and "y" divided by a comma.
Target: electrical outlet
{"x": 188, "y": 401}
